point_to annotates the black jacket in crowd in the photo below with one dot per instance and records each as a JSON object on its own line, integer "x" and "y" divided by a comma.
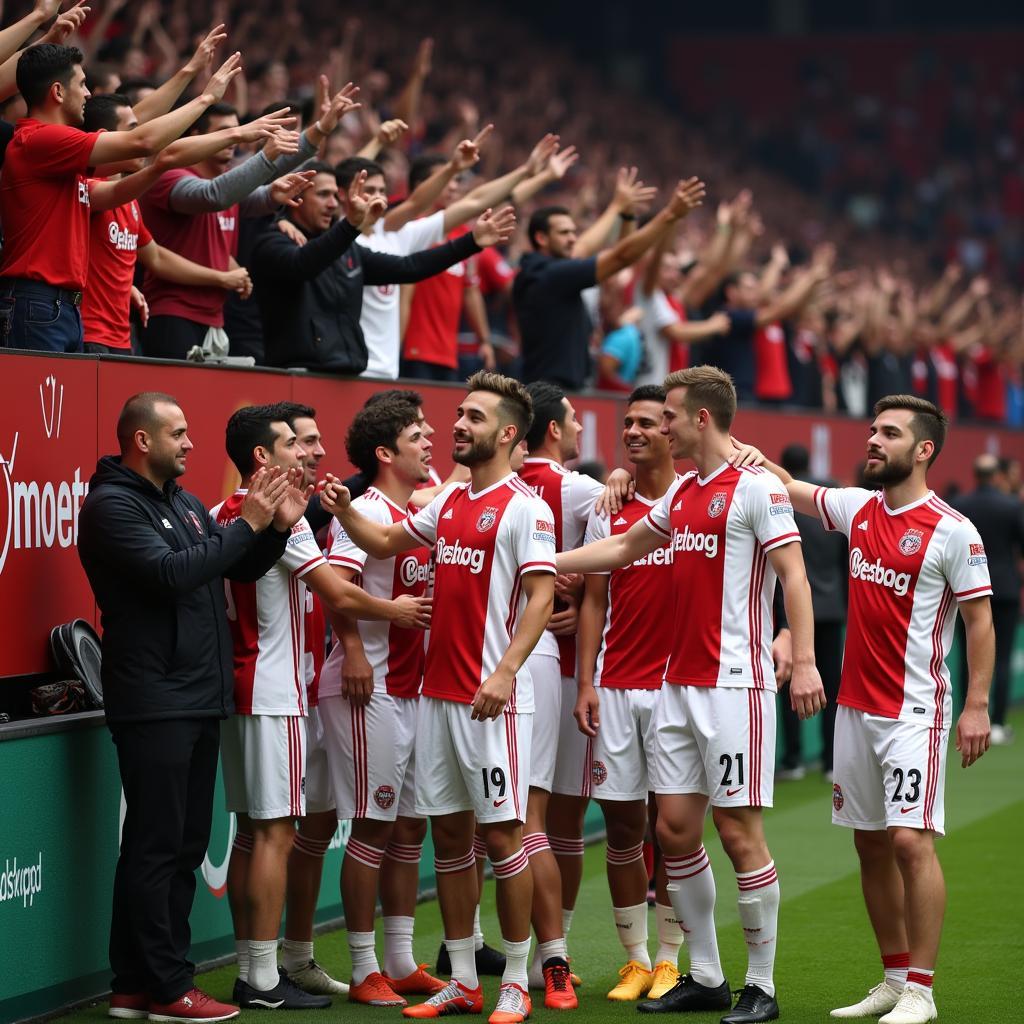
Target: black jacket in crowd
{"x": 311, "y": 296}
{"x": 156, "y": 562}
{"x": 999, "y": 519}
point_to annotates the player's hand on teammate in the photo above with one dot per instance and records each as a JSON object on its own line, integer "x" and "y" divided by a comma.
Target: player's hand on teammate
{"x": 746, "y": 454}
{"x": 618, "y": 489}
{"x": 265, "y": 493}
{"x": 973, "y": 734}
{"x": 588, "y": 710}
{"x": 806, "y": 692}
{"x": 294, "y": 499}
{"x": 565, "y": 621}
{"x": 412, "y": 612}
{"x": 569, "y": 586}
{"x": 782, "y": 656}
{"x": 356, "y": 678}
{"x": 334, "y": 495}
{"x": 493, "y": 695}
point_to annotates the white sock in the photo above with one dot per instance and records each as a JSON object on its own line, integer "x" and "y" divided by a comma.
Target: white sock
{"x": 547, "y": 950}
{"x": 567, "y": 921}
{"x": 363, "y": 951}
{"x": 670, "y": 935}
{"x": 462, "y": 954}
{"x": 295, "y": 955}
{"x": 242, "y": 952}
{"x": 691, "y": 889}
{"x": 398, "y": 958}
{"x": 263, "y": 964}
{"x": 759, "y": 915}
{"x": 631, "y": 924}
{"x": 478, "y": 932}
{"x": 516, "y": 954}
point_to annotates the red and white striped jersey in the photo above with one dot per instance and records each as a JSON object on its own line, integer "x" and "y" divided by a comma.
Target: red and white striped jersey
{"x": 395, "y": 654}
{"x": 483, "y": 545}
{"x": 571, "y": 496}
{"x": 267, "y": 620}
{"x": 907, "y": 566}
{"x": 635, "y": 644}
{"x": 722, "y": 529}
{"x": 314, "y": 647}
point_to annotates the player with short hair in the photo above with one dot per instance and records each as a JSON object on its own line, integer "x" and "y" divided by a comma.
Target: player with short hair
{"x": 914, "y": 562}
{"x": 732, "y": 533}
{"x": 493, "y": 542}
{"x": 264, "y": 743}
{"x": 560, "y": 768}
{"x": 622, "y": 653}
{"x": 370, "y": 691}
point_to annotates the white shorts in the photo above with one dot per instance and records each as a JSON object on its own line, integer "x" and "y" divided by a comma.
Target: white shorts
{"x": 263, "y": 758}
{"x": 547, "y": 718}
{"x": 575, "y": 750}
{"x": 370, "y": 756}
{"x": 319, "y": 797}
{"x": 462, "y": 765}
{"x": 888, "y": 773}
{"x": 715, "y": 740}
{"x": 624, "y": 746}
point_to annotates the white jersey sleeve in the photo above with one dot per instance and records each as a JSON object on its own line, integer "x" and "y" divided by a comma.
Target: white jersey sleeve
{"x": 533, "y": 535}
{"x": 965, "y": 563}
{"x": 343, "y": 550}
{"x": 598, "y": 528}
{"x": 301, "y": 553}
{"x": 582, "y": 492}
{"x": 659, "y": 519}
{"x": 423, "y": 525}
{"x": 768, "y": 511}
{"x": 838, "y": 505}
{"x": 421, "y": 233}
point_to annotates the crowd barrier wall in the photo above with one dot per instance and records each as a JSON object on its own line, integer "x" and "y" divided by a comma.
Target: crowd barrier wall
{"x": 59, "y": 789}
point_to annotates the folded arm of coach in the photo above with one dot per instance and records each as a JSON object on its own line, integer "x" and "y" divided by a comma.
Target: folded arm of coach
{"x": 155, "y": 562}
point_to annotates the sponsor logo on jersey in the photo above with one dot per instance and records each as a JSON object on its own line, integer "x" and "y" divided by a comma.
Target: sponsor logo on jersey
{"x": 83, "y": 193}
{"x": 226, "y": 223}
{"x": 876, "y": 572}
{"x": 659, "y": 556}
{"x": 598, "y": 772}
{"x": 123, "y": 241}
{"x": 459, "y": 554}
{"x": 195, "y": 522}
{"x": 910, "y": 542}
{"x": 690, "y": 541}
{"x": 384, "y": 797}
{"x": 977, "y": 555}
{"x": 487, "y": 519}
{"x": 717, "y": 504}
{"x": 780, "y": 505}
{"x": 837, "y": 796}
{"x": 412, "y": 571}
{"x": 167, "y": 525}
{"x": 545, "y": 531}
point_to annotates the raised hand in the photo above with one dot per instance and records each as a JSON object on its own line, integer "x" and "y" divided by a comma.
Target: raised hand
{"x": 561, "y": 161}
{"x": 264, "y": 494}
{"x": 287, "y": 190}
{"x": 222, "y": 77}
{"x": 391, "y": 131}
{"x": 467, "y": 152}
{"x": 630, "y": 192}
{"x": 67, "y": 23}
{"x": 292, "y": 505}
{"x": 541, "y": 154}
{"x": 689, "y": 194}
{"x": 335, "y": 497}
{"x": 205, "y": 50}
{"x": 264, "y": 127}
{"x": 494, "y": 228}
{"x": 340, "y": 104}
{"x": 281, "y": 143}
{"x": 360, "y": 205}
{"x": 424, "y": 58}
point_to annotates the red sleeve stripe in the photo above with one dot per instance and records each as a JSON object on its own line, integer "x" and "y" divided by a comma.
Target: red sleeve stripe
{"x": 654, "y": 526}
{"x": 407, "y": 523}
{"x": 785, "y": 538}
{"x": 819, "y": 500}
{"x": 349, "y": 563}
{"x": 537, "y": 567}
{"x": 976, "y": 592}
{"x": 306, "y": 566}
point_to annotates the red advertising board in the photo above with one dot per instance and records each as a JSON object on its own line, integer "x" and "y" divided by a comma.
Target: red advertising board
{"x": 58, "y": 416}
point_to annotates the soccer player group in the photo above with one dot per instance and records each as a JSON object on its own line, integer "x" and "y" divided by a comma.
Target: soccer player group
{"x": 553, "y": 672}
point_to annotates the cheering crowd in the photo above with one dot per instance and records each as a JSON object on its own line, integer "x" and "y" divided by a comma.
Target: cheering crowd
{"x": 185, "y": 192}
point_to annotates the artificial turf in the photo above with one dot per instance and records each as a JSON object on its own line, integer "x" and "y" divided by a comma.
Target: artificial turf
{"x": 826, "y": 954}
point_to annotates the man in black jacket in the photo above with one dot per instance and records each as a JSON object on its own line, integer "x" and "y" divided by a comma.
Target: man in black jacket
{"x": 155, "y": 562}
{"x": 999, "y": 518}
{"x": 311, "y": 296}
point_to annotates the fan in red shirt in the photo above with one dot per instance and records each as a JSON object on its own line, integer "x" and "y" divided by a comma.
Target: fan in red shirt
{"x": 46, "y": 198}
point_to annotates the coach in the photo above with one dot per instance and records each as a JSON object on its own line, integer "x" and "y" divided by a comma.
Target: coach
{"x": 155, "y": 562}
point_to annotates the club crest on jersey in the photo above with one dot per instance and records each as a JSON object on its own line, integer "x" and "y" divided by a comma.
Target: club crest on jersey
{"x": 487, "y": 519}
{"x": 837, "y": 797}
{"x": 717, "y": 504}
{"x": 384, "y": 797}
{"x": 195, "y": 522}
{"x": 598, "y": 772}
{"x": 910, "y": 542}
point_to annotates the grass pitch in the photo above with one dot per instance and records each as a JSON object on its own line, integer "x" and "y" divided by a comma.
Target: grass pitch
{"x": 826, "y": 953}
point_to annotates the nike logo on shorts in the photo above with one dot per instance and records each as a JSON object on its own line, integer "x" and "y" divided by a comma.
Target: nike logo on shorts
{"x": 733, "y": 792}
{"x": 907, "y": 810}
{"x": 498, "y": 803}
